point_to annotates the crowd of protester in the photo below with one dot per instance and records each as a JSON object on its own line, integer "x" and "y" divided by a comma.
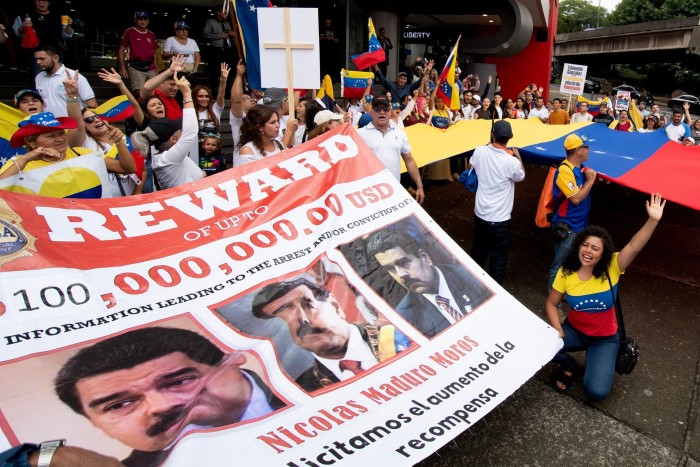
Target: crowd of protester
{"x": 259, "y": 120}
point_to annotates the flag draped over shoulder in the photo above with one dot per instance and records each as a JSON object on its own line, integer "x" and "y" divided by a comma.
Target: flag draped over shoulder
{"x": 448, "y": 91}
{"x": 354, "y": 83}
{"x": 247, "y": 18}
{"x": 374, "y": 55}
{"x": 117, "y": 109}
{"x": 593, "y": 106}
{"x": 325, "y": 95}
{"x": 9, "y": 118}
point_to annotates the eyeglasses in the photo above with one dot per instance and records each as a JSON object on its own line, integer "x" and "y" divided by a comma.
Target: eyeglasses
{"x": 92, "y": 119}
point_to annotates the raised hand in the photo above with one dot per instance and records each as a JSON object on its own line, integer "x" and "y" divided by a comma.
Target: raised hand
{"x": 177, "y": 63}
{"x": 70, "y": 84}
{"x": 240, "y": 68}
{"x": 110, "y": 76}
{"x": 655, "y": 207}
{"x": 224, "y": 71}
{"x": 183, "y": 85}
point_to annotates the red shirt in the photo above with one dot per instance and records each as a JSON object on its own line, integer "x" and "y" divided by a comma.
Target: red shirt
{"x": 141, "y": 45}
{"x": 623, "y": 126}
{"x": 173, "y": 110}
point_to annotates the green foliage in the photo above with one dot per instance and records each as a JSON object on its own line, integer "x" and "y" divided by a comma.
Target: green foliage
{"x": 642, "y": 11}
{"x": 577, "y": 15}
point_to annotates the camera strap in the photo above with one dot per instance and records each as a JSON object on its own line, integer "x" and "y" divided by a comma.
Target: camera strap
{"x": 618, "y": 311}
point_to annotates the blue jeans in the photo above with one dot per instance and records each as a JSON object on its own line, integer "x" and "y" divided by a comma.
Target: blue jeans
{"x": 561, "y": 248}
{"x": 601, "y": 355}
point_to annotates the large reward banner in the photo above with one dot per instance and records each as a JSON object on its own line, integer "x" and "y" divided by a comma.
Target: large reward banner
{"x": 301, "y": 310}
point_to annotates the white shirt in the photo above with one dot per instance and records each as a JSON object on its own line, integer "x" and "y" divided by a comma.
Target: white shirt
{"x": 173, "y": 167}
{"x": 236, "y": 123}
{"x": 577, "y": 117}
{"x": 444, "y": 292}
{"x": 128, "y": 182}
{"x": 358, "y": 350}
{"x": 240, "y": 159}
{"x": 497, "y": 172}
{"x": 174, "y": 47}
{"x": 51, "y": 89}
{"x": 388, "y": 147}
{"x": 539, "y": 113}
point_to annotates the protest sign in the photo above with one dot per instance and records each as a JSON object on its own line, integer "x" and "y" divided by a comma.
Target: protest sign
{"x": 622, "y": 100}
{"x": 573, "y": 79}
{"x": 299, "y": 310}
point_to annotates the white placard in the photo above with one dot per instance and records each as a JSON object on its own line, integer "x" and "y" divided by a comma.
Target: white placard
{"x": 573, "y": 79}
{"x": 274, "y": 38}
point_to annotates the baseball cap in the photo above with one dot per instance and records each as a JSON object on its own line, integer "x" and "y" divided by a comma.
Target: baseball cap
{"x": 402, "y": 73}
{"x": 24, "y": 92}
{"x": 140, "y": 14}
{"x": 574, "y": 141}
{"x": 326, "y": 116}
{"x": 395, "y": 105}
{"x": 501, "y": 129}
{"x": 381, "y": 101}
{"x": 689, "y": 138}
{"x": 274, "y": 97}
{"x": 181, "y": 25}
{"x": 477, "y": 98}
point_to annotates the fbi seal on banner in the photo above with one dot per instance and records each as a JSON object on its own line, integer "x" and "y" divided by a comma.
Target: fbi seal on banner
{"x": 15, "y": 242}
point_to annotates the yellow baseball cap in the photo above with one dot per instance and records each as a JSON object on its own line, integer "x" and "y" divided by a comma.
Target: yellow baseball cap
{"x": 574, "y": 141}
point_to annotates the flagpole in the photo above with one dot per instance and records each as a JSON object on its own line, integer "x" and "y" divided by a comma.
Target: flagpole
{"x": 236, "y": 32}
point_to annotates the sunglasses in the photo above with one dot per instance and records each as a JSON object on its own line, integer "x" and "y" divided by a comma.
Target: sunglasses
{"x": 91, "y": 119}
{"x": 381, "y": 109}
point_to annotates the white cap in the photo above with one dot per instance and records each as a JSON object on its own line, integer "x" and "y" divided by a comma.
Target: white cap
{"x": 326, "y": 116}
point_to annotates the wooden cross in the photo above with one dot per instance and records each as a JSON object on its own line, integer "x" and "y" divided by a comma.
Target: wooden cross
{"x": 287, "y": 45}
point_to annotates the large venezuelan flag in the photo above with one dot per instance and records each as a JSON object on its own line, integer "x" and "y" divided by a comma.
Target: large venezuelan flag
{"x": 374, "y": 55}
{"x": 647, "y": 162}
{"x": 448, "y": 91}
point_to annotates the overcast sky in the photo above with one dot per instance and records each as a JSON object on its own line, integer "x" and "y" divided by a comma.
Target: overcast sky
{"x": 607, "y": 4}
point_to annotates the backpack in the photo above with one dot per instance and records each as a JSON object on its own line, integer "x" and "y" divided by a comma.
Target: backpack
{"x": 547, "y": 204}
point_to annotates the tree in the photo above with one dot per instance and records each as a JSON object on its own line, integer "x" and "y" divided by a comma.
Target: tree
{"x": 642, "y": 11}
{"x": 577, "y": 15}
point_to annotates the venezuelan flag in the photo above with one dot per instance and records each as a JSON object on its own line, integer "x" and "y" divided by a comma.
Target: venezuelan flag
{"x": 593, "y": 106}
{"x": 374, "y": 55}
{"x": 116, "y": 109}
{"x": 448, "y": 91}
{"x": 354, "y": 83}
{"x": 79, "y": 177}
{"x": 325, "y": 95}
{"x": 9, "y": 118}
{"x": 247, "y": 19}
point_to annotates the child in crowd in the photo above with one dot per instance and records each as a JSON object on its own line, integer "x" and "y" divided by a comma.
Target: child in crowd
{"x": 210, "y": 159}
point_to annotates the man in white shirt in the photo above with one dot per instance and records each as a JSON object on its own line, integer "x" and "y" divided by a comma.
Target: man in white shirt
{"x": 389, "y": 143}
{"x": 582, "y": 115}
{"x": 498, "y": 169}
{"x": 316, "y": 322}
{"x": 540, "y": 111}
{"x": 49, "y": 83}
{"x": 676, "y": 129}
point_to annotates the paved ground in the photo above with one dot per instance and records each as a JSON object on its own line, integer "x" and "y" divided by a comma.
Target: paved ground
{"x": 652, "y": 415}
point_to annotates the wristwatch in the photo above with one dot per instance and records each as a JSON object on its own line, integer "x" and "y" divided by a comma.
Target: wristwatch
{"x": 47, "y": 450}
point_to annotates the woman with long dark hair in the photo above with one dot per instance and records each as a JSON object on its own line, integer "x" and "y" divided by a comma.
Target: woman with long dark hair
{"x": 588, "y": 277}
{"x": 209, "y": 110}
{"x": 520, "y": 110}
{"x": 259, "y": 133}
